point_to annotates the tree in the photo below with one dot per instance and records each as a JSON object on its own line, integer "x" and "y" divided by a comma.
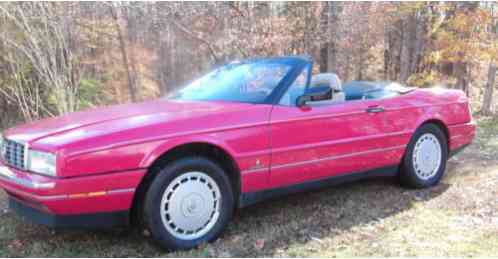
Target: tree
{"x": 492, "y": 50}
{"x": 40, "y": 35}
{"x": 488, "y": 90}
{"x": 123, "y": 46}
{"x": 332, "y": 14}
{"x": 60, "y": 57}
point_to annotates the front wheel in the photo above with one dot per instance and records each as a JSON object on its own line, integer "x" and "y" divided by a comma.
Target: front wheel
{"x": 189, "y": 202}
{"x": 425, "y": 158}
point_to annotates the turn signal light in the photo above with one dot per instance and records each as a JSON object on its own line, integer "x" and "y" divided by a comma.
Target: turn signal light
{"x": 83, "y": 195}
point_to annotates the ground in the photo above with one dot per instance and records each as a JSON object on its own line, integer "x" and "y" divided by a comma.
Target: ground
{"x": 458, "y": 217}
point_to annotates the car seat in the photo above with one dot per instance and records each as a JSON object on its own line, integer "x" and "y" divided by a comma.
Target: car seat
{"x": 331, "y": 80}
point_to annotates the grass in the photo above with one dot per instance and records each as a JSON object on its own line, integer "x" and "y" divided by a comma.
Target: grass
{"x": 459, "y": 217}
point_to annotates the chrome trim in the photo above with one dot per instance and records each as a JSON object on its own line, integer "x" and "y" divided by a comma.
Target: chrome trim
{"x": 50, "y": 198}
{"x": 26, "y": 157}
{"x": 63, "y": 196}
{"x": 337, "y": 157}
{"x": 119, "y": 191}
{"x": 15, "y": 142}
{"x": 339, "y": 141}
{"x": 67, "y": 196}
{"x": 255, "y": 170}
{"x": 2, "y": 145}
{"x": 7, "y": 174}
{"x": 37, "y": 197}
{"x": 324, "y": 159}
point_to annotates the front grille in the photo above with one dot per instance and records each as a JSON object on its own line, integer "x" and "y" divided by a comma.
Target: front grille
{"x": 13, "y": 154}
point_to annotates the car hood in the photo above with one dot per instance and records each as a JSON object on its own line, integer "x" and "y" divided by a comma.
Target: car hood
{"x": 74, "y": 126}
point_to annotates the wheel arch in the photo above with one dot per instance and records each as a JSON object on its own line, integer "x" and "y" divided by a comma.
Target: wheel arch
{"x": 210, "y": 150}
{"x": 441, "y": 125}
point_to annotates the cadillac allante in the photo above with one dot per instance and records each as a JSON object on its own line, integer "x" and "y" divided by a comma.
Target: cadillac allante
{"x": 245, "y": 132}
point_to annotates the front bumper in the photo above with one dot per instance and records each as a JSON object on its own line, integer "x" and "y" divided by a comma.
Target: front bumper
{"x": 66, "y": 202}
{"x": 96, "y": 220}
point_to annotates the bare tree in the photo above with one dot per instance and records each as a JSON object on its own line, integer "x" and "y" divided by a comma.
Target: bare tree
{"x": 24, "y": 90}
{"x": 123, "y": 46}
{"x": 332, "y": 14}
{"x": 487, "y": 103}
{"x": 44, "y": 43}
{"x": 60, "y": 57}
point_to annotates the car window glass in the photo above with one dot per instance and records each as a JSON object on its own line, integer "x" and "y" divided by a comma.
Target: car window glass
{"x": 245, "y": 82}
{"x": 295, "y": 90}
{"x": 380, "y": 94}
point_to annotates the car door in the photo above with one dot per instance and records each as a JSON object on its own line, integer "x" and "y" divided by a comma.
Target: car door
{"x": 315, "y": 142}
{"x": 400, "y": 117}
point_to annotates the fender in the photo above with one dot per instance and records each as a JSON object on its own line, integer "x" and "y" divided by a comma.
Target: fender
{"x": 176, "y": 142}
{"x": 431, "y": 113}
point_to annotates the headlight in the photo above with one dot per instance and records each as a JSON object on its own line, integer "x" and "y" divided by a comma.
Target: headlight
{"x": 42, "y": 162}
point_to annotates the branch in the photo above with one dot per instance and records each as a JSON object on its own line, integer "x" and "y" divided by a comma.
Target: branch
{"x": 236, "y": 9}
{"x": 199, "y": 38}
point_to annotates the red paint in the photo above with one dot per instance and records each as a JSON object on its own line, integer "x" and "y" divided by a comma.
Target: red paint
{"x": 273, "y": 146}
{"x": 57, "y": 201}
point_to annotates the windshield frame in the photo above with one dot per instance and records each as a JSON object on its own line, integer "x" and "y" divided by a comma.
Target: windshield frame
{"x": 297, "y": 64}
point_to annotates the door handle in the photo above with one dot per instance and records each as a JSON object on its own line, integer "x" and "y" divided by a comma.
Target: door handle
{"x": 375, "y": 109}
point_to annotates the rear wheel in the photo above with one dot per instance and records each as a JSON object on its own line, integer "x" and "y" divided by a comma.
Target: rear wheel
{"x": 189, "y": 202}
{"x": 425, "y": 158}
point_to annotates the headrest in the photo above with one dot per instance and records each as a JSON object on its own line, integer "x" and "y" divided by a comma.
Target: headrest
{"x": 329, "y": 79}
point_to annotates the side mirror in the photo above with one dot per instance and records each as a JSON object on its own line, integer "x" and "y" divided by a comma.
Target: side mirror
{"x": 319, "y": 93}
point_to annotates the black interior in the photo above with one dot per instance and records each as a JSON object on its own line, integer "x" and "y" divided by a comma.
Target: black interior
{"x": 361, "y": 90}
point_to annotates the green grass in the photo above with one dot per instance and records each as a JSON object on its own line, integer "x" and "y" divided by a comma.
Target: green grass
{"x": 459, "y": 217}
{"x": 487, "y": 137}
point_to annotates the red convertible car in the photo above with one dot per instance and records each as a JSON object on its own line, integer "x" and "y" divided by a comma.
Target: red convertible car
{"x": 245, "y": 132}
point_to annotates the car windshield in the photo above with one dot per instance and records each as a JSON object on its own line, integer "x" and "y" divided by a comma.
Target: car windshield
{"x": 245, "y": 82}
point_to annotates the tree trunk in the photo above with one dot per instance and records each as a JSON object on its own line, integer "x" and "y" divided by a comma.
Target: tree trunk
{"x": 407, "y": 49}
{"x": 323, "y": 60}
{"x": 462, "y": 73}
{"x": 332, "y": 29}
{"x": 123, "y": 48}
{"x": 487, "y": 103}
{"x": 387, "y": 53}
{"x": 132, "y": 39}
{"x": 419, "y": 43}
{"x": 395, "y": 34}
{"x": 167, "y": 54}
